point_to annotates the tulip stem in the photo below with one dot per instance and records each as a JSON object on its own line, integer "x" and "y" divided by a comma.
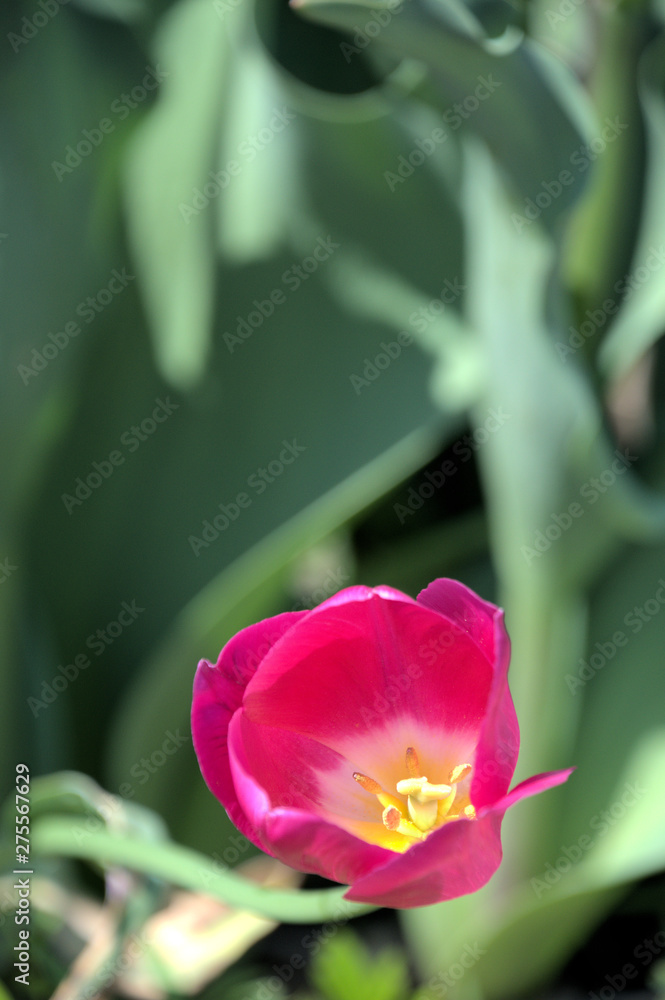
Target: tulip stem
{"x": 191, "y": 870}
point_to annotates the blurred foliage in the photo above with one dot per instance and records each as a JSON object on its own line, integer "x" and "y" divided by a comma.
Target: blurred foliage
{"x": 372, "y": 238}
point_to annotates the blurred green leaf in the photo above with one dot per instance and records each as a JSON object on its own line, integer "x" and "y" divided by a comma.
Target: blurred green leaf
{"x": 169, "y": 160}
{"x": 514, "y": 92}
{"x": 255, "y": 213}
{"x": 345, "y": 969}
{"x": 641, "y": 318}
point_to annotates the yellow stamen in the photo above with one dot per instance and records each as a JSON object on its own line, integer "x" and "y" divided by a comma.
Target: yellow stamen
{"x": 392, "y": 817}
{"x": 394, "y": 820}
{"x": 459, "y": 773}
{"x": 427, "y": 806}
{"x": 372, "y": 786}
{"x": 369, "y": 784}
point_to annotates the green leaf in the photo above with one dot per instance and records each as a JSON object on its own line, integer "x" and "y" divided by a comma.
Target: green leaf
{"x": 344, "y": 969}
{"x": 514, "y": 91}
{"x": 260, "y": 132}
{"x": 169, "y": 158}
{"x": 641, "y": 318}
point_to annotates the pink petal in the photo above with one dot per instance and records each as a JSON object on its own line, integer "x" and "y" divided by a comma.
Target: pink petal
{"x": 456, "y": 859}
{"x": 531, "y": 786}
{"x": 498, "y": 746}
{"x": 462, "y": 606}
{"x": 499, "y": 743}
{"x": 218, "y": 692}
{"x": 297, "y": 836}
{"x": 370, "y": 663}
{"x": 310, "y": 844}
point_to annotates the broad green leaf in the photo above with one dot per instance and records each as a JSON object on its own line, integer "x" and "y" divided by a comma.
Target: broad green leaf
{"x": 260, "y": 133}
{"x": 128, "y": 11}
{"x": 169, "y": 161}
{"x": 512, "y": 100}
{"x": 617, "y": 686}
{"x": 377, "y": 294}
{"x": 641, "y": 293}
{"x": 603, "y": 228}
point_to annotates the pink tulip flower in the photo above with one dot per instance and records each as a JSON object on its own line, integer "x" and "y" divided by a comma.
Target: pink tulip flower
{"x": 371, "y": 740}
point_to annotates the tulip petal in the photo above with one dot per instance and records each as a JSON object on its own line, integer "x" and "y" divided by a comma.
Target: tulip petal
{"x": 499, "y": 743}
{"x": 297, "y": 835}
{"x": 419, "y": 673}
{"x": 456, "y": 859}
{"x": 460, "y": 605}
{"x": 218, "y": 693}
{"x": 498, "y": 746}
{"x": 531, "y": 786}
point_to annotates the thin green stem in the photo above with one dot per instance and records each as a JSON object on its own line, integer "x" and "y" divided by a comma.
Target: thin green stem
{"x": 190, "y": 870}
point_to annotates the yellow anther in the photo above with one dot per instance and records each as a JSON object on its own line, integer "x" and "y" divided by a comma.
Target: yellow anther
{"x": 395, "y": 821}
{"x": 369, "y": 784}
{"x": 412, "y": 764}
{"x": 392, "y": 817}
{"x": 459, "y": 773}
{"x": 372, "y": 786}
{"x": 469, "y": 812}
